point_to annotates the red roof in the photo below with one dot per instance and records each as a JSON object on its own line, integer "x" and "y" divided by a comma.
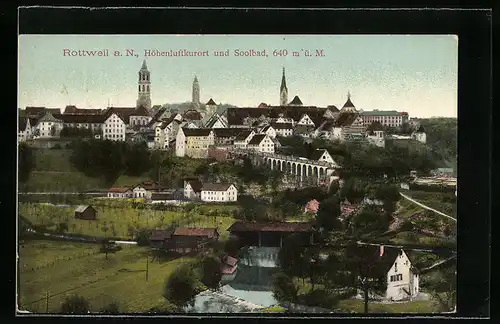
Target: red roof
{"x": 230, "y": 261}
{"x": 271, "y": 227}
{"x": 184, "y": 231}
{"x": 228, "y": 269}
{"x": 312, "y": 206}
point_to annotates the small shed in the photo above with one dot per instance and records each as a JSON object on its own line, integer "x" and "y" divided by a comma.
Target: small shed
{"x": 85, "y": 212}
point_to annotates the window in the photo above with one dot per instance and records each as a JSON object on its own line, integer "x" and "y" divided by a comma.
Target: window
{"x": 395, "y": 267}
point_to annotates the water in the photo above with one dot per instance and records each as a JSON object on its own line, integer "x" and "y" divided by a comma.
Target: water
{"x": 251, "y": 289}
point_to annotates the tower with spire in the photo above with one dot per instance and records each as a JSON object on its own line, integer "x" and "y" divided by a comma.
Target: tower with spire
{"x": 144, "y": 97}
{"x": 196, "y": 94}
{"x": 348, "y": 106}
{"x": 283, "y": 90}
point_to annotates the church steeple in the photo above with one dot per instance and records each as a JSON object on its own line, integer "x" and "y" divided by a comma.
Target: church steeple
{"x": 144, "y": 82}
{"x": 283, "y": 90}
{"x": 196, "y": 94}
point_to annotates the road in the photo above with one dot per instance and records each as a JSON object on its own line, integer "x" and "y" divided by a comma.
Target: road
{"x": 426, "y": 207}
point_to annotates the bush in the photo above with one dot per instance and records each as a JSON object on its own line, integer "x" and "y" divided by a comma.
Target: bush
{"x": 75, "y": 305}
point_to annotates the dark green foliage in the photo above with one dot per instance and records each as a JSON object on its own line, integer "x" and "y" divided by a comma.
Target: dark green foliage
{"x": 442, "y": 284}
{"x": 369, "y": 222}
{"x": 62, "y": 227}
{"x": 110, "y": 158}
{"x": 180, "y": 287}
{"x": 328, "y": 214}
{"x": 354, "y": 189}
{"x": 211, "y": 272}
{"x": 252, "y": 209}
{"x": 111, "y": 308}
{"x": 284, "y": 290}
{"x": 142, "y": 236}
{"x": 26, "y": 162}
{"x": 290, "y": 256}
{"x": 75, "y": 305}
{"x": 232, "y": 246}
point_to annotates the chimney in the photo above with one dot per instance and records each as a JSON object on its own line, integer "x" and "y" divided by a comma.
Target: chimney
{"x": 381, "y": 250}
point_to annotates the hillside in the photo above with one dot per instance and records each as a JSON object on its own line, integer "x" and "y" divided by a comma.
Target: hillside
{"x": 442, "y": 137}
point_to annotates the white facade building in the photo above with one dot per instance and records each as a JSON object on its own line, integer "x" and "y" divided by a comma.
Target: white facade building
{"x": 261, "y": 143}
{"x": 114, "y": 128}
{"x": 219, "y": 192}
{"x": 48, "y": 126}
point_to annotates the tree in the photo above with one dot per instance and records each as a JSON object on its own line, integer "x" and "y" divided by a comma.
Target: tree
{"x": 328, "y": 214}
{"x": 108, "y": 247}
{"x": 75, "y": 305}
{"x": 290, "y": 256}
{"x": 443, "y": 284}
{"x": 53, "y": 130}
{"x": 232, "y": 246}
{"x": 360, "y": 271}
{"x": 211, "y": 273}
{"x": 26, "y": 162}
{"x": 180, "y": 288}
{"x": 284, "y": 289}
{"x": 368, "y": 222}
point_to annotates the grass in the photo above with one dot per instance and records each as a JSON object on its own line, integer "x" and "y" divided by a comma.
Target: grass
{"x": 357, "y": 306}
{"x": 120, "y": 219}
{"x": 274, "y": 309}
{"x": 129, "y": 181}
{"x": 53, "y": 160}
{"x": 121, "y": 278}
{"x": 43, "y": 181}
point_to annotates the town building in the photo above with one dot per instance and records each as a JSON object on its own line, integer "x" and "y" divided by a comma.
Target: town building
{"x": 114, "y": 128}
{"x": 183, "y": 240}
{"x": 390, "y": 118}
{"x": 196, "y": 94}
{"x": 322, "y": 155}
{"x": 402, "y": 276}
{"x": 192, "y": 189}
{"x": 119, "y": 192}
{"x": 243, "y": 138}
{"x": 420, "y": 135}
{"x": 283, "y": 90}
{"x": 140, "y": 117}
{"x": 269, "y": 131}
{"x": 219, "y": 192}
{"x": 261, "y": 143}
{"x": 194, "y": 142}
{"x": 47, "y": 126}
{"x": 282, "y": 129}
{"x": 25, "y": 129}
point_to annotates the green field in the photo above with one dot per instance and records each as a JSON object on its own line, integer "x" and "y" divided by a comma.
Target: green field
{"x": 119, "y": 220}
{"x": 120, "y": 278}
{"x": 357, "y": 306}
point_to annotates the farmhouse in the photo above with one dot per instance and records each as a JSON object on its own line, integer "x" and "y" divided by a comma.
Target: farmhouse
{"x": 261, "y": 143}
{"x": 85, "y": 212}
{"x": 402, "y": 276}
{"x": 119, "y": 192}
{"x": 192, "y": 189}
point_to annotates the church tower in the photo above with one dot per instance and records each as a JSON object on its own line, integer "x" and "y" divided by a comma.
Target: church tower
{"x": 144, "y": 98}
{"x": 196, "y": 94}
{"x": 283, "y": 91}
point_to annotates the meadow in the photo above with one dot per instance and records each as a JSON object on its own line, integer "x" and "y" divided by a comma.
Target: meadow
{"x": 121, "y": 221}
{"x": 61, "y": 269}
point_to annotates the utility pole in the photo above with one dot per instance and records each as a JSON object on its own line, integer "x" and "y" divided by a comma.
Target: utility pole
{"x": 47, "y": 303}
{"x": 147, "y": 266}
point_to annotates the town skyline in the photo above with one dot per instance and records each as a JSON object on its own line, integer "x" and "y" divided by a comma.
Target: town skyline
{"x": 421, "y": 78}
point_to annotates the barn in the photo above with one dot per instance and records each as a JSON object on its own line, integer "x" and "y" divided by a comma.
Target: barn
{"x": 85, "y": 212}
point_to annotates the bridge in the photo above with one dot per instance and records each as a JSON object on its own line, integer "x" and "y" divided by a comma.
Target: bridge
{"x": 320, "y": 172}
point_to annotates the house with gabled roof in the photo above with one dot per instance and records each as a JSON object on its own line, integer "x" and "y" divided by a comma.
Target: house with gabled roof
{"x": 295, "y": 101}
{"x": 269, "y": 130}
{"x": 218, "y": 192}
{"x": 24, "y": 130}
{"x": 396, "y": 268}
{"x": 322, "y": 155}
{"x": 183, "y": 239}
{"x": 283, "y": 129}
{"x": 114, "y": 127}
{"x": 420, "y": 135}
{"x": 216, "y": 121}
{"x": 261, "y": 143}
{"x": 48, "y": 126}
{"x": 192, "y": 189}
{"x": 194, "y": 142}
{"x": 119, "y": 192}
{"x": 243, "y": 138}
{"x": 86, "y": 212}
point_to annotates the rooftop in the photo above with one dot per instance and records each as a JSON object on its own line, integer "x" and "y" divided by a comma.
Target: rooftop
{"x": 240, "y": 226}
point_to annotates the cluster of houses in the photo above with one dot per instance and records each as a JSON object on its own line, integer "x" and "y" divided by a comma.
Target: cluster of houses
{"x": 194, "y": 190}
{"x": 194, "y": 131}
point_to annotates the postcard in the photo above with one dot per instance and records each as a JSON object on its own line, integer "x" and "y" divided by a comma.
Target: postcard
{"x": 223, "y": 174}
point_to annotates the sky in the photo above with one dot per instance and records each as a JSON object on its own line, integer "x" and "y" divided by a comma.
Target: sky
{"x": 412, "y": 73}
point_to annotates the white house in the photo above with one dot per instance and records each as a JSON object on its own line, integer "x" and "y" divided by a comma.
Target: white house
{"x": 420, "y": 135}
{"x": 284, "y": 120}
{"x": 242, "y": 139}
{"x": 305, "y": 120}
{"x": 162, "y": 135}
{"x": 219, "y": 192}
{"x": 24, "y": 132}
{"x": 48, "y": 126}
{"x": 192, "y": 189}
{"x": 114, "y": 128}
{"x": 261, "y": 143}
{"x": 140, "y": 192}
{"x": 402, "y": 276}
{"x": 324, "y": 156}
{"x": 216, "y": 121}
{"x": 283, "y": 129}
{"x": 269, "y": 131}
{"x": 119, "y": 192}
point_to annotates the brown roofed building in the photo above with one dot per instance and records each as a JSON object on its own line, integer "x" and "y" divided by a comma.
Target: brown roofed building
{"x": 119, "y": 192}
{"x": 140, "y": 117}
{"x": 225, "y": 136}
{"x": 85, "y": 212}
{"x": 261, "y": 143}
{"x": 296, "y": 101}
{"x": 73, "y": 110}
{"x": 192, "y": 189}
{"x": 183, "y": 240}
{"x": 270, "y": 234}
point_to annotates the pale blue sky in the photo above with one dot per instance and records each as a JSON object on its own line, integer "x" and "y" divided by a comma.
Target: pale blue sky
{"x": 417, "y": 74}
